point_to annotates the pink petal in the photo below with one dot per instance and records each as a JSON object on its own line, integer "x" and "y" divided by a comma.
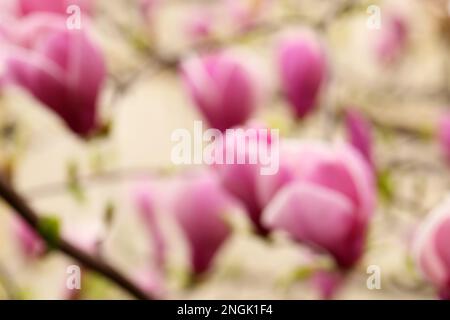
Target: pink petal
{"x": 312, "y": 214}
{"x": 200, "y": 205}
{"x": 302, "y": 67}
{"x": 223, "y": 88}
{"x": 359, "y": 133}
{"x": 27, "y": 7}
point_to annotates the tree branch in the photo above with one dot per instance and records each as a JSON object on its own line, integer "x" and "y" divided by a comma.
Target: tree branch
{"x": 20, "y": 206}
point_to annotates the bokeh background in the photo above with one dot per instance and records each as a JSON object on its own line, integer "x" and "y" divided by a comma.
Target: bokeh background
{"x": 145, "y": 101}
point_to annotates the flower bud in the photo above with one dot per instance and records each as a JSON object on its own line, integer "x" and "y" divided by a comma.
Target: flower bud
{"x": 31, "y": 244}
{"x": 392, "y": 39}
{"x": 27, "y": 7}
{"x": 55, "y": 71}
{"x": 303, "y": 69}
{"x": 431, "y": 248}
{"x": 200, "y": 207}
{"x": 223, "y": 88}
{"x": 444, "y": 136}
{"x": 359, "y": 133}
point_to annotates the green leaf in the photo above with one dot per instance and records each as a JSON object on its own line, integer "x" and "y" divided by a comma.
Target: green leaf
{"x": 73, "y": 181}
{"x": 303, "y": 273}
{"x": 95, "y": 286}
{"x": 49, "y": 229}
{"x": 109, "y": 213}
{"x": 385, "y": 185}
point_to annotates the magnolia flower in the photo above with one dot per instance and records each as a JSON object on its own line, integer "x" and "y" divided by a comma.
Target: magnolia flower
{"x": 444, "y": 135}
{"x": 246, "y": 13}
{"x": 200, "y": 206}
{"x": 199, "y": 24}
{"x": 431, "y": 248}
{"x": 144, "y": 201}
{"x": 240, "y": 179}
{"x": 148, "y": 8}
{"x": 151, "y": 281}
{"x": 26, "y": 7}
{"x": 223, "y": 88}
{"x": 359, "y": 132}
{"x": 54, "y": 69}
{"x": 303, "y": 70}
{"x": 31, "y": 244}
{"x": 88, "y": 237}
{"x": 325, "y": 198}
{"x": 327, "y": 283}
{"x": 392, "y": 39}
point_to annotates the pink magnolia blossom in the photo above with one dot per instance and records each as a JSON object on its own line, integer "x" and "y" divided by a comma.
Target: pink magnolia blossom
{"x": 359, "y": 132}
{"x": 26, "y": 7}
{"x": 2, "y": 79}
{"x": 31, "y": 244}
{"x": 325, "y": 198}
{"x": 392, "y": 39}
{"x": 7, "y": 11}
{"x": 199, "y": 24}
{"x": 52, "y": 66}
{"x": 246, "y": 13}
{"x": 240, "y": 179}
{"x": 149, "y": 8}
{"x": 224, "y": 89}
{"x": 431, "y": 248}
{"x": 151, "y": 281}
{"x": 444, "y": 135}
{"x": 303, "y": 70}
{"x": 327, "y": 283}
{"x": 145, "y": 202}
{"x": 200, "y": 207}
{"x": 87, "y": 236}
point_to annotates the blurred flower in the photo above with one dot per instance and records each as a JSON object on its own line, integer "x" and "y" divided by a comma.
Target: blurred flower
{"x": 359, "y": 132}
{"x": 199, "y": 24}
{"x": 74, "y": 293}
{"x": 326, "y": 201}
{"x": 200, "y": 206}
{"x": 431, "y": 248}
{"x": 31, "y": 244}
{"x": 29, "y": 32}
{"x": 144, "y": 200}
{"x": 224, "y": 89}
{"x": 2, "y": 78}
{"x": 327, "y": 282}
{"x": 27, "y": 7}
{"x": 246, "y": 13}
{"x": 87, "y": 235}
{"x": 7, "y": 10}
{"x": 392, "y": 39}
{"x": 151, "y": 282}
{"x": 303, "y": 69}
{"x": 240, "y": 179}
{"x": 53, "y": 68}
{"x": 444, "y": 135}
{"x": 149, "y": 8}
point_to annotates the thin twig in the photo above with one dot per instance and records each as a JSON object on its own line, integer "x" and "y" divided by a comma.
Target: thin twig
{"x": 20, "y": 206}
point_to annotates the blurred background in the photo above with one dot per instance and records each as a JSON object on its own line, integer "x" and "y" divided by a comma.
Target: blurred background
{"x": 88, "y": 183}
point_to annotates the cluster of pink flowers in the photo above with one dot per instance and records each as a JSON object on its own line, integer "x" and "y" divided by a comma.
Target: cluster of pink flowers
{"x": 227, "y": 90}
{"x": 323, "y": 195}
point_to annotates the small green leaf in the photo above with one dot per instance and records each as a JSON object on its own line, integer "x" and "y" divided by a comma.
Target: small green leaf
{"x": 49, "y": 229}
{"x": 385, "y": 185}
{"x": 109, "y": 213}
{"x": 73, "y": 181}
{"x": 302, "y": 273}
{"x": 95, "y": 286}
